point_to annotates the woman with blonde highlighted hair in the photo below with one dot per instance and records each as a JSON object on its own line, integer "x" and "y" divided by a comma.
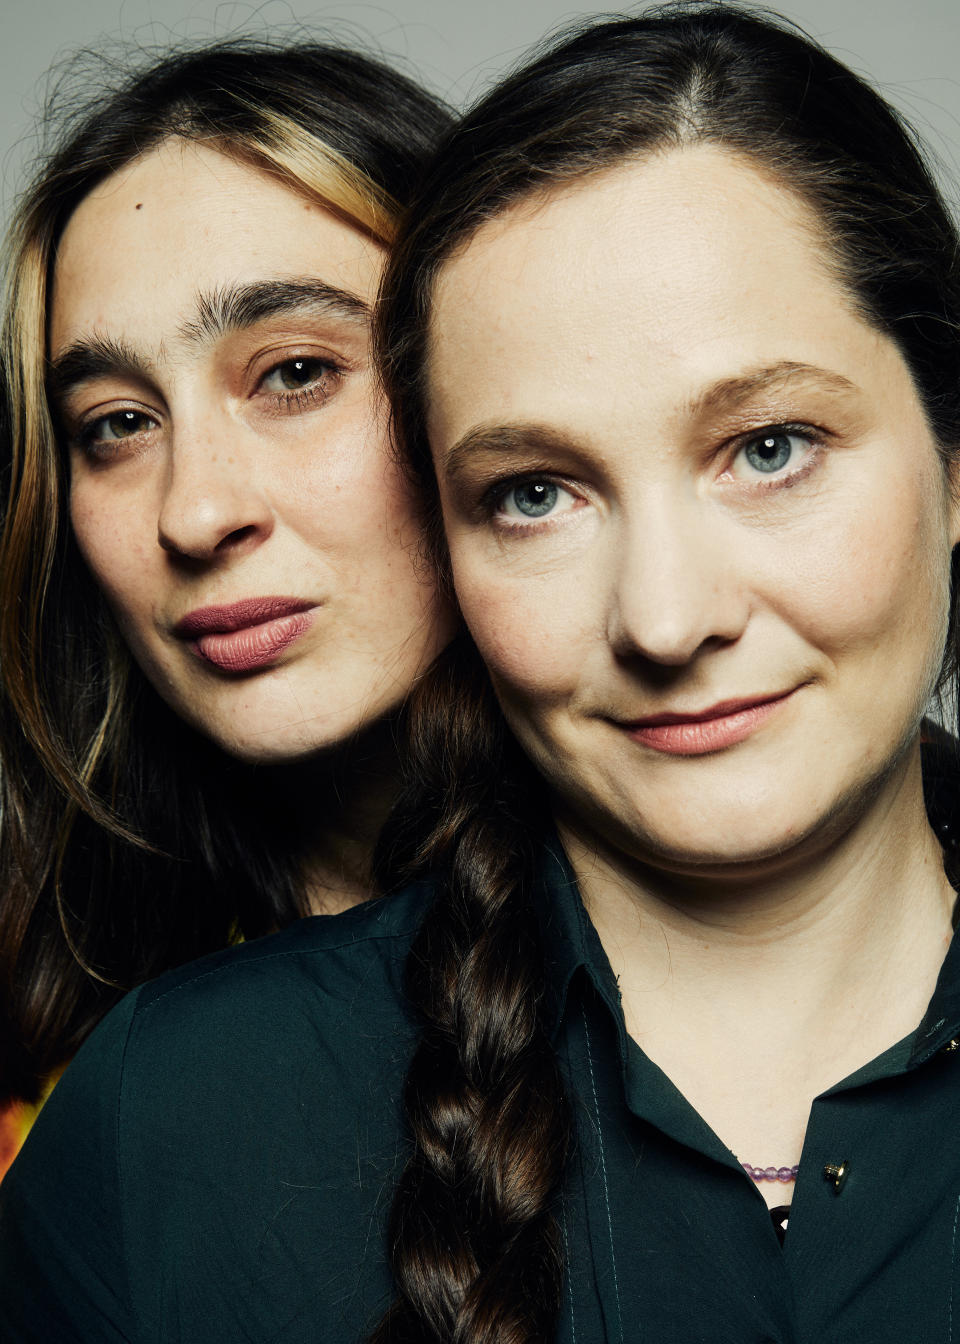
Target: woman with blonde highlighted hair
{"x": 211, "y": 601}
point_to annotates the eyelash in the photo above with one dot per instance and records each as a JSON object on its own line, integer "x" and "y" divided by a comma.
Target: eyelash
{"x": 297, "y": 399}
{"x": 495, "y": 494}
{"x": 104, "y": 450}
{"x": 290, "y": 401}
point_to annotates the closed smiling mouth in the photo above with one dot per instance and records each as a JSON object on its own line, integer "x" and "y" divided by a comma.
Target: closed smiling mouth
{"x": 695, "y": 734}
{"x": 247, "y": 635}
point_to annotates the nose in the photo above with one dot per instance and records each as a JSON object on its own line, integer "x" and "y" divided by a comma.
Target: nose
{"x": 675, "y": 584}
{"x": 212, "y": 504}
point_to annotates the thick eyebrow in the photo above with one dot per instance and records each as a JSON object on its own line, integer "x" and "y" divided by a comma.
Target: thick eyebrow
{"x": 720, "y": 398}
{"x": 96, "y": 357}
{"x": 229, "y": 308}
{"x": 233, "y": 307}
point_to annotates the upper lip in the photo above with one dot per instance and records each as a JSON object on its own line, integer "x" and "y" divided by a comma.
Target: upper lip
{"x": 223, "y": 620}
{"x": 718, "y": 711}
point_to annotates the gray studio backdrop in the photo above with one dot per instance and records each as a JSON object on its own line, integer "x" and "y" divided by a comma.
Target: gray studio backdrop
{"x": 909, "y": 47}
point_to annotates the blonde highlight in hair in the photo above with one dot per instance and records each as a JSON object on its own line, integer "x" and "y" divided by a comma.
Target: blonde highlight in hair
{"x": 277, "y": 144}
{"x": 319, "y": 171}
{"x": 33, "y": 523}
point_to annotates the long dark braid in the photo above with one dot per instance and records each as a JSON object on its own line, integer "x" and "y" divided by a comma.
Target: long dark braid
{"x": 474, "y": 1244}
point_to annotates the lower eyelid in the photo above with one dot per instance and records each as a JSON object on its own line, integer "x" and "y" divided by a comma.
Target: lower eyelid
{"x": 318, "y": 391}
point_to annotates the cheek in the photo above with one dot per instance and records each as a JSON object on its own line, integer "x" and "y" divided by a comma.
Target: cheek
{"x": 874, "y": 576}
{"x": 533, "y": 633}
{"x": 350, "y": 495}
{"x": 356, "y": 515}
{"x": 110, "y": 536}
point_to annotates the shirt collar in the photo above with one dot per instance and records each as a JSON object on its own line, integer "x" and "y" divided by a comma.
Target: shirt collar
{"x": 941, "y": 789}
{"x": 573, "y": 948}
{"x": 570, "y": 940}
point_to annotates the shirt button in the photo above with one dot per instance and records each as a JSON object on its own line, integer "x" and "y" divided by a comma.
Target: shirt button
{"x": 837, "y": 1173}
{"x": 950, "y": 1046}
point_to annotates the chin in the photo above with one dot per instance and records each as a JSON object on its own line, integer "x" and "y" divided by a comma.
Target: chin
{"x": 271, "y": 735}
{"x": 273, "y": 751}
{"x": 751, "y": 828}
{"x": 292, "y": 744}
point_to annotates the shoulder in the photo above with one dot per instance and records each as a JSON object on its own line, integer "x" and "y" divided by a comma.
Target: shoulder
{"x": 329, "y": 978}
{"x": 247, "y": 1102}
{"x": 305, "y": 997}
{"x": 325, "y": 954}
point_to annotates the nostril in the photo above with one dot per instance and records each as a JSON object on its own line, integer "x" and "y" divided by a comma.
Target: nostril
{"x": 236, "y": 538}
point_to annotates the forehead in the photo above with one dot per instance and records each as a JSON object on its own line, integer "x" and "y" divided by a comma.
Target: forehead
{"x": 641, "y": 282}
{"x": 185, "y": 219}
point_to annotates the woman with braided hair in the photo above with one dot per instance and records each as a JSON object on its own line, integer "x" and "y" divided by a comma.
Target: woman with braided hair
{"x": 672, "y": 342}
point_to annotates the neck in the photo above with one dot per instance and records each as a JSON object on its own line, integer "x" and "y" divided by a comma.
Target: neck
{"x": 755, "y": 991}
{"x": 855, "y": 890}
{"x": 336, "y": 804}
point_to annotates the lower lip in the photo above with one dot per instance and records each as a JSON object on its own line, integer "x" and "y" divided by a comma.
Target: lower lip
{"x": 705, "y": 735}
{"x": 253, "y": 647}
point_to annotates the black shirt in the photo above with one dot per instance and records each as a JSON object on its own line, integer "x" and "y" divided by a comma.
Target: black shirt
{"x": 217, "y": 1165}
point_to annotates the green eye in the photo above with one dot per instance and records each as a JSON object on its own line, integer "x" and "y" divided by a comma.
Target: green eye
{"x": 102, "y": 438}
{"x": 118, "y": 425}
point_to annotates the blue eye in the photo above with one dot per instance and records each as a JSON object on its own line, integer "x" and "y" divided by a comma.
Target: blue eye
{"x": 777, "y": 451}
{"x": 770, "y": 453}
{"x": 533, "y": 499}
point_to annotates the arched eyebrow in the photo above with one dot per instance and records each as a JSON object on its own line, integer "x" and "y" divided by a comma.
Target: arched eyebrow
{"x": 217, "y": 312}
{"x": 505, "y": 441}
{"x": 723, "y": 397}
{"x": 729, "y": 393}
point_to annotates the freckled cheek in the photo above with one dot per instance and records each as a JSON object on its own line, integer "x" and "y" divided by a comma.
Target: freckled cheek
{"x": 119, "y": 551}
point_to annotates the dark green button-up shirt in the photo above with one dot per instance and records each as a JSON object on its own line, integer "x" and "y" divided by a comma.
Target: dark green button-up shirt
{"x": 217, "y": 1165}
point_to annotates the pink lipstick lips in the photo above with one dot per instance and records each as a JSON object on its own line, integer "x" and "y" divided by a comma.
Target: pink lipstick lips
{"x": 723, "y": 725}
{"x": 247, "y": 635}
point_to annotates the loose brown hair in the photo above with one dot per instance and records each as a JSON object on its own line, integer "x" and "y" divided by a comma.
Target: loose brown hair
{"x": 129, "y": 843}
